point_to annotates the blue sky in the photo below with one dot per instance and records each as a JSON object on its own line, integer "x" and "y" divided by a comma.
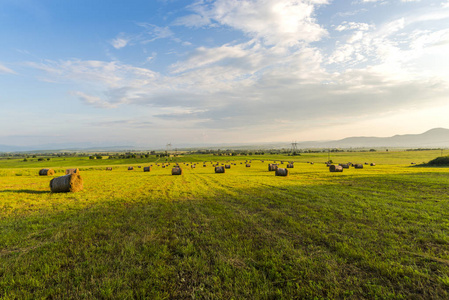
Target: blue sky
{"x": 146, "y": 73}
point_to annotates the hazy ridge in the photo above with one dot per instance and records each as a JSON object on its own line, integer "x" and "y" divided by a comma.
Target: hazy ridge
{"x": 433, "y": 138}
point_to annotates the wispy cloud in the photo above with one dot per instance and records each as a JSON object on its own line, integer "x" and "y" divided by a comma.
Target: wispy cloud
{"x": 7, "y": 70}
{"x": 276, "y": 72}
{"x": 120, "y": 41}
{"x": 130, "y": 123}
{"x": 286, "y": 22}
{"x": 150, "y": 34}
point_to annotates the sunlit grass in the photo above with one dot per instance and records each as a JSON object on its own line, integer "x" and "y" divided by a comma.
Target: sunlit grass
{"x": 377, "y": 232}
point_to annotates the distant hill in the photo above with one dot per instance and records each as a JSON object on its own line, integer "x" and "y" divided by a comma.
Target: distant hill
{"x": 433, "y": 138}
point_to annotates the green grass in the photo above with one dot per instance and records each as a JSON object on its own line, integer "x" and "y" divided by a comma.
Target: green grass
{"x": 379, "y": 232}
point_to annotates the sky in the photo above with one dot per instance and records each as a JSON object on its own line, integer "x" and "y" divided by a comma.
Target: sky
{"x": 148, "y": 73}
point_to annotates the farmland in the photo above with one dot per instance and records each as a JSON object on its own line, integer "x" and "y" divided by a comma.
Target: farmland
{"x": 377, "y": 232}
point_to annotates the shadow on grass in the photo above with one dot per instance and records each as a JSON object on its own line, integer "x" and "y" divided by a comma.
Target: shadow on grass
{"x": 25, "y": 191}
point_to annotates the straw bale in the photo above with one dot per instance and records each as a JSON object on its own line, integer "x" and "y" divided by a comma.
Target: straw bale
{"x": 248, "y": 165}
{"x": 219, "y": 169}
{"x": 272, "y": 167}
{"x": 108, "y": 168}
{"x": 176, "y": 171}
{"x": 372, "y": 164}
{"x": 66, "y": 183}
{"x": 46, "y": 172}
{"x": 290, "y": 166}
{"x": 72, "y": 171}
{"x": 334, "y": 168}
{"x": 227, "y": 166}
{"x": 146, "y": 169}
{"x": 281, "y": 172}
{"x": 130, "y": 168}
{"x": 358, "y": 166}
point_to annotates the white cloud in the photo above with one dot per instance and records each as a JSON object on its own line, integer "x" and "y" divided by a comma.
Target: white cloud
{"x": 353, "y": 26}
{"x": 7, "y": 70}
{"x": 275, "y": 72}
{"x": 286, "y": 22}
{"x": 150, "y": 34}
{"x": 119, "y": 42}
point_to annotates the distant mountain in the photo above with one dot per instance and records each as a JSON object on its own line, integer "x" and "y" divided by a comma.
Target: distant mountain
{"x": 434, "y": 138}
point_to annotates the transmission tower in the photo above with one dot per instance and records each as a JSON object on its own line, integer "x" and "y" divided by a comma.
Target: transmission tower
{"x": 294, "y": 147}
{"x": 168, "y": 150}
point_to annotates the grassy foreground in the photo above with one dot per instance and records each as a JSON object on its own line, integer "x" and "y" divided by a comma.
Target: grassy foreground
{"x": 380, "y": 232}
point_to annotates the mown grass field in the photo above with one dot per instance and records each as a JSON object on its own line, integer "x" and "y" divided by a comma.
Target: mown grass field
{"x": 379, "y": 232}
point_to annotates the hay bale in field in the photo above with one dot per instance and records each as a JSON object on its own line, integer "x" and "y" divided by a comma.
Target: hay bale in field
{"x": 366, "y": 163}
{"x": 163, "y": 167}
{"x": 130, "y": 168}
{"x": 108, "y": 168}
{"x": 372, "y": 164}
{"x": 272, "y": 167}
{"x": 72, "y": 171}
{"x": 344, "y": 166}
{"x": 219, "y": 169}
{"x": 146, "y": 169}
{"x": 192, "y": 166}
{"x": 46, "y": 172}
{"x": 248, "y": 165}
{"x": 311, "y": 163}
{"x": 227, "y": 166}
{"x": 358, "y": 166}
{"x": 176, "y": 171}
{"x": 282, "y": 162}
{"x": 334, "y": 168}
{"x": 67, "y": 183}
{"x": 139, "y": 167}
{"x": 281, "y": 172}
{"x": 204, "y": 166}
{"x": 290, "y": 166}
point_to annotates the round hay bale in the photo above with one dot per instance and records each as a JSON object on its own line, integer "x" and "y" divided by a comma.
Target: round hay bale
{"x": 72, "y": 171}
{"x": 344, "y": 166}
{"x": 248, "y": 165}
{"x": 372, "y": 164}
{"x": 281, "y": 172}
{"x": 227, "y": 166}
{"x": 272, "y": 167}
{"x": 290, "y": 166}
{"x": 176, "y": 171}
{"x": 219, "y": 169}
{"x": 108, "y": 168}
{"x": 139, "y": 167}
{"x": 334, "y": 168}
{"x": 204, "y": 166}
{"x": 358, "y": 166}
{"x": 66, "y": 183}
{"x": 163, "y": 167}
{"x": 130, "y": 168}
{"x": 192, "y": 166}
{"x": 146, "y": 169}
{"x": 46, "y": 172}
